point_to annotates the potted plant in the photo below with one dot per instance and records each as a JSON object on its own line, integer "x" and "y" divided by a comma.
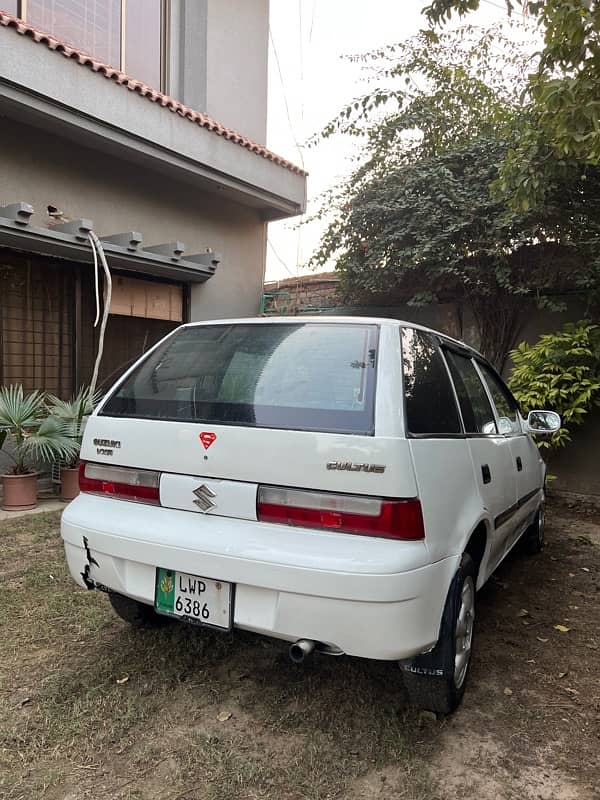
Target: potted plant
{"x": 71, "y": 414}
{"x": 32, "y": 437}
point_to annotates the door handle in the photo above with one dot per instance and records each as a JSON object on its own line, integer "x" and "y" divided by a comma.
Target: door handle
{"x": 519, "y": 464}
{"x": 486, "y": 474}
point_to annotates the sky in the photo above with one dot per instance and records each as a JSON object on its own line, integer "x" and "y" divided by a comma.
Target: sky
{"x": 309, "y": 81}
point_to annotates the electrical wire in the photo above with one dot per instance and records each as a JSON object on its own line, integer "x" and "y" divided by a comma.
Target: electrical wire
{"x": 504, "y": 8}
{"x": 287, "y": 108}
{"x": 280, "y": 259}
{"x": 301, "y": 63}
{"x": 99, "y": 252}
{"x": 312, "y": 21}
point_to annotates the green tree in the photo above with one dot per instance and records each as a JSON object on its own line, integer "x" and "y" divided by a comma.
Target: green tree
{"x": 562, "y": 130}
{"x": 416, "y": 221}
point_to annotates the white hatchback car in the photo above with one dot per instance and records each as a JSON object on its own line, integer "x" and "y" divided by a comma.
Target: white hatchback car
{"x": 344, "y": 484}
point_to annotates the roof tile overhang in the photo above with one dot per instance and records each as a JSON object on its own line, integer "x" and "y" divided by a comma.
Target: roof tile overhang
{"x": 31, "y": 87}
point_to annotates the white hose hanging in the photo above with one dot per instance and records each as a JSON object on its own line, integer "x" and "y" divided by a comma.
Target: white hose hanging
{"x": 98, "y": 250}
{"x": 96, "y": 292}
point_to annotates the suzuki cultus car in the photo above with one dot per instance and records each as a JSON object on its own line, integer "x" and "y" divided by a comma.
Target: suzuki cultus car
{"x": 344, "y": 484}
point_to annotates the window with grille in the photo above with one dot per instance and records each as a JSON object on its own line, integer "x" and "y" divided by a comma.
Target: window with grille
{"x": 126, "y": 34}
{"x": 36, "y": 324}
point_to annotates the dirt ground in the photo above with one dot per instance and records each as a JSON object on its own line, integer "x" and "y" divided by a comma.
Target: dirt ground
{"x": 91, "y": 709}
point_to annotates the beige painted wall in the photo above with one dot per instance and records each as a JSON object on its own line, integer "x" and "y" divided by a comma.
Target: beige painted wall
{"x": 43, "y": 170}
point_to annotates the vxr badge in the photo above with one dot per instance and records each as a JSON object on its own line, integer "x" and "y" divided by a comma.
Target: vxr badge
{"x": 204, "y": 498}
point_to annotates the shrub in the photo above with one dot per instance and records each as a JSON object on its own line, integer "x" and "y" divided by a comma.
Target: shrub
{"x": 561, "y": 372}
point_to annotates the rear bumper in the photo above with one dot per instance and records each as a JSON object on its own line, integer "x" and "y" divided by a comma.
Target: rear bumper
{"x": 371, "y": 598}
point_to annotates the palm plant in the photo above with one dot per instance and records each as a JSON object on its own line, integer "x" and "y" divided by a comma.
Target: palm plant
{"x": 71, "y": 413}
{"x": 35, "y": 437}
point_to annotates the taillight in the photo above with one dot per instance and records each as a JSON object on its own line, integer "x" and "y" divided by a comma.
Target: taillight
{"x": 140, "y": 485}
{"x": 367, "y": 516}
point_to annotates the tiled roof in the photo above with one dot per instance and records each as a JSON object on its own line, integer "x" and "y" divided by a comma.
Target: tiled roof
{"x": 85, "y": 60}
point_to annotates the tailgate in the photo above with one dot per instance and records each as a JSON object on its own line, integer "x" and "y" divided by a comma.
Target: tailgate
{"x": 237, "y": 460}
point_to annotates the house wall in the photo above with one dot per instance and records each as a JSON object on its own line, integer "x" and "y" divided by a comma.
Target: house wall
{"x": 237, "y": 65}
{"x": 42, "y": 88}
{"x": 218, "y": 61}
{"x": 45, "y": 170}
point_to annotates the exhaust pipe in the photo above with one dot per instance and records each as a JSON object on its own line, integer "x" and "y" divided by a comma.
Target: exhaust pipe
{"x": 300, "y": 649}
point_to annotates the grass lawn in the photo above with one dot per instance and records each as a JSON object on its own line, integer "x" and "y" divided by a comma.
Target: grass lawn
{"x": 92, "y": 709}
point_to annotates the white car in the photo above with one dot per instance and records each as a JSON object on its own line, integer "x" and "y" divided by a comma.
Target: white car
{"x": 344, "y": 484}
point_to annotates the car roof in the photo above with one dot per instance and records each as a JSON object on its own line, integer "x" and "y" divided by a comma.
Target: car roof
{"x": 382, "y": 321}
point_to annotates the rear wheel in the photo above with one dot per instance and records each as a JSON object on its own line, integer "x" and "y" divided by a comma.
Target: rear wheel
{"x": 137, "y": 614}
{"x": 534, "y": 537}
{"x": 436, "y": 681}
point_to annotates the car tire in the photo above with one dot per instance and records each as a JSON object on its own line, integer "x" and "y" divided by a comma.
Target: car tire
{"x": 533, "y": 540}
{"x": 436, "y": 680}
{"x": 138, "y": 615}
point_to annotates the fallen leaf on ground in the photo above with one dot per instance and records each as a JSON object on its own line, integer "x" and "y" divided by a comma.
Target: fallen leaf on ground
{"x": 562, "y": 628}
{"x": 562, "y": 674}
{"x": 571, "y": 691}
{"x": 539, "y": 638}
{"x": 508, "y": 692}
{"x": 585, "y": 569}
{"x": 223, "y": 716}
{"x": 121, "y": 681}
{"x": 523, "y": 613}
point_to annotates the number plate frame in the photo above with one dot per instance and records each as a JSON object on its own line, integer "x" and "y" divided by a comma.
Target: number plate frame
{"x": 185, "y": 617}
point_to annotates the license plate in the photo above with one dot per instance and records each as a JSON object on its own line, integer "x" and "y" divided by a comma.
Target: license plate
{"x": 203, "y": 601}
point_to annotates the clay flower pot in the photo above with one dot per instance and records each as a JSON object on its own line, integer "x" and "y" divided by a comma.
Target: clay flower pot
{"x": 20, "y": 492}
{"x": 69, "y": 484}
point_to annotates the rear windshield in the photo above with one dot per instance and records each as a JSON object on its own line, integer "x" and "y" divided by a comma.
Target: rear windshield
{"x": 297, "y": 376}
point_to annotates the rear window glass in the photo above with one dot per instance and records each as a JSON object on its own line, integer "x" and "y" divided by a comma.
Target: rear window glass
{"x": 297, "y": 376}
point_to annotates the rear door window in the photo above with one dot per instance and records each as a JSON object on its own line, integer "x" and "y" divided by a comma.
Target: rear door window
{"x": 304, "y": 376}
{"x": 430, "y": 403}
{"x": 477, "y": 413}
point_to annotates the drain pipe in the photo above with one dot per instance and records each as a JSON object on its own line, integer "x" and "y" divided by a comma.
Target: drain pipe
{"x": 301, "y": 649}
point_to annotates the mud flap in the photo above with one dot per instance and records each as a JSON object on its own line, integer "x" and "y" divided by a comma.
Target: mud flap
{"x": 439, "y": 661}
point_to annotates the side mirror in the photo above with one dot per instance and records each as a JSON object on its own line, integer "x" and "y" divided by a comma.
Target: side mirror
{"x": 545, "y": 422}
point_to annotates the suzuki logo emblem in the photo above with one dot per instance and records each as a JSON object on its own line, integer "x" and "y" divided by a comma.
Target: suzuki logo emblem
{"x": 204, "y": 498}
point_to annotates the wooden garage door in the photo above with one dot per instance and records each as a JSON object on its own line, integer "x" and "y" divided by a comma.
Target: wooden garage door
{"x": 132, "y": 330}
{"x": 36, "y": 323}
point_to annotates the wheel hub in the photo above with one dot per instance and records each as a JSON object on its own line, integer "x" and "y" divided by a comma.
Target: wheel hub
{"x": 464, "y": 631}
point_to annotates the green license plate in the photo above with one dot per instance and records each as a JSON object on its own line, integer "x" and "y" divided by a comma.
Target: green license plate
{"x": 203, "y": 601}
